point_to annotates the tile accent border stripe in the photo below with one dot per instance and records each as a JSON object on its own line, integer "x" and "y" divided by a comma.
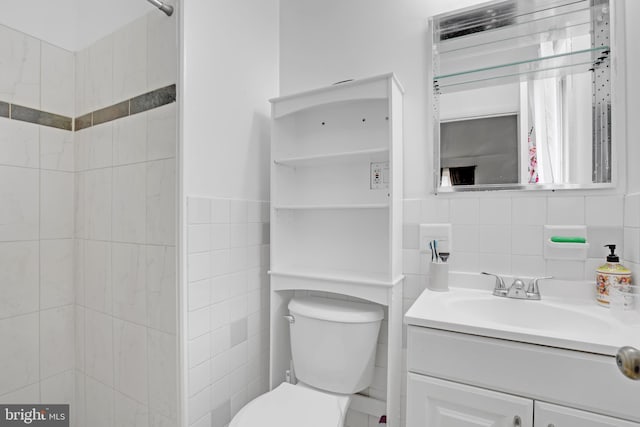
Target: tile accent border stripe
{"x": 138, "y": 104}
{"x": 31, "y": 115}
{"x": 4, "y": 109}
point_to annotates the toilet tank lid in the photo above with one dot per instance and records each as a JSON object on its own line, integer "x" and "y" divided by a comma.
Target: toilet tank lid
{"x": 334, "y": 310}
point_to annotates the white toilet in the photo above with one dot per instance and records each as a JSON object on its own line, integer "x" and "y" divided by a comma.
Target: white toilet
{"x": 333, "y": 346}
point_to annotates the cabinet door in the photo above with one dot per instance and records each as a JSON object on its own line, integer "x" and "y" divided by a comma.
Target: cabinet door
{"x": 437, "y": 403}
{"x": 548, "y": 415}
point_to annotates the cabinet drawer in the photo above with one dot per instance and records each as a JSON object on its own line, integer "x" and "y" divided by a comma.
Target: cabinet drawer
{"x": 580, "y": 380}
{"x": 547, "y": 415}
{"x": 436, "y": 403}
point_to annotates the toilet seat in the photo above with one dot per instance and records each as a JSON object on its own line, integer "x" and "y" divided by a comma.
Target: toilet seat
{"x": 291, "y": 405}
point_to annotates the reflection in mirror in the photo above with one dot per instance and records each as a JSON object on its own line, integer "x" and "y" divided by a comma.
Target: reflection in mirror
{"x": 522, "y": 95}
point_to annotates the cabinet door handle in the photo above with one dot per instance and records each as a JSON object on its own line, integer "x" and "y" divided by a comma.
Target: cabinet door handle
{"x": 517, "y": 422}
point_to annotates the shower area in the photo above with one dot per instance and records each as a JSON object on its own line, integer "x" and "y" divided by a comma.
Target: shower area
{"x": 88, "y": 209}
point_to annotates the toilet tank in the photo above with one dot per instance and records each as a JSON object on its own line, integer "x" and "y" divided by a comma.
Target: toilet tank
{"x": 333, "y": 342}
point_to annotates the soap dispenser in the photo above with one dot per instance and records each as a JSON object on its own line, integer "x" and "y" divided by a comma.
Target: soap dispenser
{"x": 610, "y": 274}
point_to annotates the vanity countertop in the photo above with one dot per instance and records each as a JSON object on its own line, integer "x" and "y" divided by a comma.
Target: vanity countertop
{"x": 566, "y": 317}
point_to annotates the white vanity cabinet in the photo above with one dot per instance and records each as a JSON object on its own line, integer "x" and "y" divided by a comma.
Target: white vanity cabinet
{"x": 462, "y": 380}
{"x": 548, "y": 415}
{"x": 437, "y": 403}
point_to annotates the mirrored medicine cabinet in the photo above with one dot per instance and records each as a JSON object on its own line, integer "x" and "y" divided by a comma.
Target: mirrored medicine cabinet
{"x": 523, "y": 95}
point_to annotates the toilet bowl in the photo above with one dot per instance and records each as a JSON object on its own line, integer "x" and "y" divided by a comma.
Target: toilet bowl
{"x": 333, "y": 346}
{"x": 291, "y": 405}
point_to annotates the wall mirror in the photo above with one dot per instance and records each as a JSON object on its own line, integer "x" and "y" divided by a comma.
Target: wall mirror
{"x": 522, "y": 93}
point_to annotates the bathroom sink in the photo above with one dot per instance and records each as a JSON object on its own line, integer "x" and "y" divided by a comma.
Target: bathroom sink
{"x": 544, "y": 315}
{"x": 568, "y": 319}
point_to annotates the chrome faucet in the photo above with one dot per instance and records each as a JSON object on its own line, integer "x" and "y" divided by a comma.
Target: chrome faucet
{"x": 517, "y": 289}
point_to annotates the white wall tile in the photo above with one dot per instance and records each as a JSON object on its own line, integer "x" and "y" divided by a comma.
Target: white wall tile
{"x": 220, "y": 236}
{"x": 604, "y": 210}
{"x": 466, "y": 238}
{"x": 163, "y": 385}
{"x": 495, "y": 210}
{"x": 129, "y": 203}
{"x": 19, "y": 143}
{"x": 199, "y": 405}
{"x": 59, "y": 389}
{"x": 569, "y": 270}
{"x": 98, "y": 146}
{"x": 129, "y": 413}
{"x": 199, "y": 294}
{"x": 98, "y": 84}
{"x": 99, "y": 404}
{"x": 56, "y": 149}
{"x": 434, "y": 210}
{"x": 57, "y": 72}
{"x": 130, "y": 60}
{"x": 130, "y": 359}
{"x": 79, "y": 334}
{"x": 81, "y": 84}
{"x": 238, "y": 235}
{"x": 220, "y": 261}
{"x": 56, "y": 273}
{"x": 162, "y": 132}
{"x": 97, "y": 276}
{"x": 20, "y": 78}
{"x": 238, "y": 211}
{"x": 128, "y": 272}
{"x": 198, "y": 378}
{"x": 529, "y": 210}
{"x": 495, "y": 239}
{"x": 465, "y": 211}
{"x": 56, "y": 340}
{"x": 130, "y": 139}
{"x": 411, "y": 211}
{"x": 198, "y": 210}
{"x": 199, "y": 350}
{"x": 562, "y": 210}
{"x": 220, "y": 211}
{"x": 56, "y": 204}
{"x": 632, "y": 210}
{"x": 162, "y": 56}
{"x": 632, "y": 245}
{"x": 97, "y": 197}
{"x": 198, "y": 323}
{"x": 161, "y": 202}
{"x": 527, "y": 239}
{"x": 99, "y": 347}
{"x": 198, "y": 238}
{"x": 600, "y": 236}
{"x": 19, "y": 189}
{"x": 19, "y": 360}
{"x": 161, "y": 288}
{"x": 19, "y": 285}
{"x": 199, "y": 266}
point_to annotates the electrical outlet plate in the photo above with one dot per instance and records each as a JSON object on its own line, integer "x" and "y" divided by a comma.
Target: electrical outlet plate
{"x": 379, "y": 175}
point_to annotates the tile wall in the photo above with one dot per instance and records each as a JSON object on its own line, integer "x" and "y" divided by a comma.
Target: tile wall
{"x": 125, "y": 231}
{"x": 36, "y": 225}
{"x": 228, "y": 303}
{"x": 632, "y": 235}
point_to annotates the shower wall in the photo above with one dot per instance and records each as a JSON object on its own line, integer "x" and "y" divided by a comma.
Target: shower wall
{"x": 36, "y": 221}
{"x": 125, "y": 227}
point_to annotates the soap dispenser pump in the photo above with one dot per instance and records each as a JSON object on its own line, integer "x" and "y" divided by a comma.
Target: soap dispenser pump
{"x": 612, "y": 273}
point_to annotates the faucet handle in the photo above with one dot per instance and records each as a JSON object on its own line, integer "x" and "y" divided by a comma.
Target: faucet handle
{"x": 500, "y": 289}
{"x": 533, "y": 290}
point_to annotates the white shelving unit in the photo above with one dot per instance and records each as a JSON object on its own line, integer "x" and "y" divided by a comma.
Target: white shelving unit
{"x": 332, "y": 229}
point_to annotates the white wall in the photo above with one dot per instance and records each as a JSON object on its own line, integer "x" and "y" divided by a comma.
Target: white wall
{"x": 71, "y": 24}
{"x": 230, "y": 71}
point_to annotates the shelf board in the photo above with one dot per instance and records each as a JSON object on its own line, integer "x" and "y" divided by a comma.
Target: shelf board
{"x": 535, "y": 68}
{"x": 330, "y": 157}
{"x": 333, "y": 206}
{"x": 360, "y": 278}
